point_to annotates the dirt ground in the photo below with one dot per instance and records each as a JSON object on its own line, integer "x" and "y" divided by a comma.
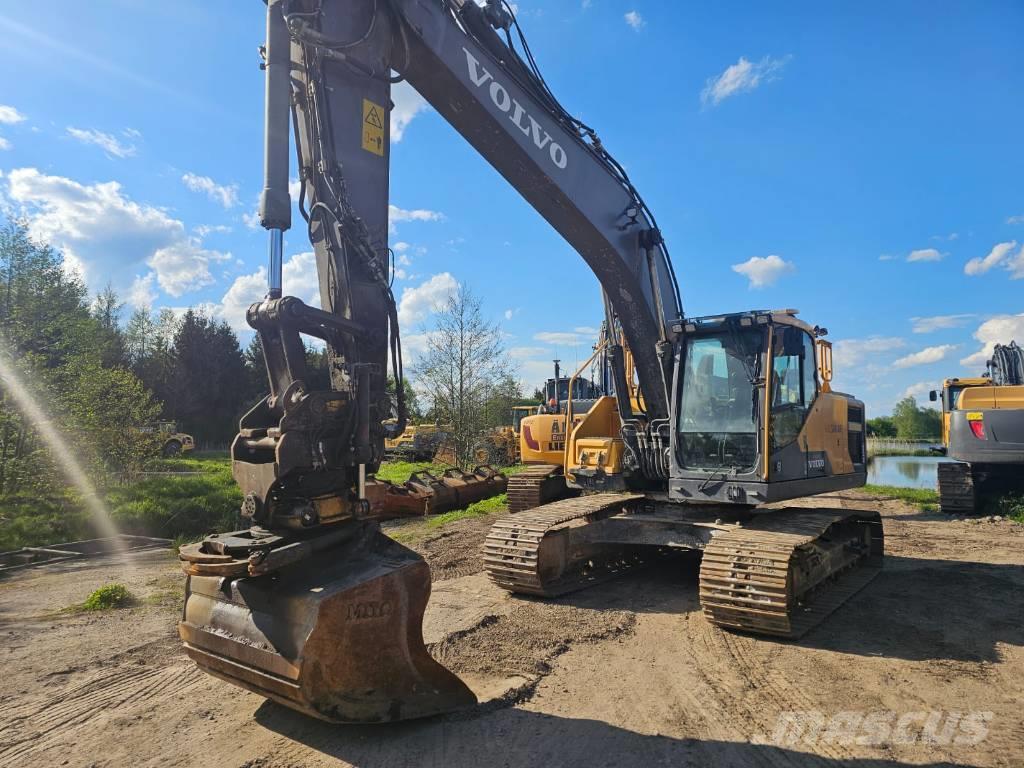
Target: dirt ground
{"x": 628, "y": 673}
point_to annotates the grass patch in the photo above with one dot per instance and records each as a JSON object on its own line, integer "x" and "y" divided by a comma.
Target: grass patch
{"x": 900, "y": 452}
{"x": 1010, "y": 505}
{"x": 106, "y": 598}
{"x": 476, "y": 509}
{"x": 171, "y": 506}
{"x": 181, "y": 507}
{"x": 399, "y": 471}
{"x": 925, "y": 499}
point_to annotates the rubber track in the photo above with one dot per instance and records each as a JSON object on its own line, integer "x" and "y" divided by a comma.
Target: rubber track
{"x": 526, "y": 489}
{"x": 511, "y": 549}
{"x": 957, "y": 491}
{"x": 745, "y": 573}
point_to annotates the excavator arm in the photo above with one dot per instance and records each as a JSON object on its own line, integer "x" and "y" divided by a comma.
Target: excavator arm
{"x": 330, "y": 67}
{"x": 312, "y": 606}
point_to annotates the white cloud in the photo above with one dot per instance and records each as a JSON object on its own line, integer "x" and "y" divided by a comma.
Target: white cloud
{"x": 1015, "y": 219}
{"x": 533, "y": 373}
{"x": 106, "y": 237}
{"x": 108, "y": 143}
{"x": 298, "y": 278}
{"x": 742, "y": 76}
{"x": 9, "y": 115}
{"x": 947, "y": 238}
{"x": 925, "y": 356}
{"x": 1001, "y": 329}
{"x": 919, "y": 392}
{"x": 103, "y": 234}
{"x": 418, "y": 302}
{"x": 924, "y": 254}
{"x": 634, "y": 19}
{"x": 523, "y": 353}
{"x": 141, "y": 293}
{"x": 509, "y": 313}
{"x": 207, "y": 229}
{"x": 4, "y": 143}
{"x": 851, "y": 353}
{"x": 404, "y": 253}
{"x": 763, "y": 271}
{"x": 226, "y": 195}
{"x": 938, "y": 322}
{"x": 397, "y": 215}
{"x": 407, "y": 104}
{"x": 997, "y": 256}
{"x": 244, "y": 291}
{"x": 886, "y": 257}
{"x": 251, "y": 220}
{"x": 567, "y": 338}
{"x": 184, "y": 266}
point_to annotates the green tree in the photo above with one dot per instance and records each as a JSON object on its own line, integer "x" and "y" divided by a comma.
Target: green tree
{"x": 66, "y": 354}
{"x": 412, "y": 401}
{"x": 109, "y": 411}
{"x": 465, "y": 368}
{"x": 106, "y": 310}
{"x": 881, "y": 426}
{"x": 915, "y": 423}
{"x": 43, "y": 309}
{"x": 207, "y": 393}
{"x": 318, "y": 375}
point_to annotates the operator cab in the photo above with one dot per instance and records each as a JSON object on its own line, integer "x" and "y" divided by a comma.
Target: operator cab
{"x": 755, "y": 418}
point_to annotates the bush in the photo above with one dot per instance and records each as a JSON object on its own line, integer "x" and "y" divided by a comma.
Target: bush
{"x": 1011, "y": 505}
{"x": 110, "y": 596}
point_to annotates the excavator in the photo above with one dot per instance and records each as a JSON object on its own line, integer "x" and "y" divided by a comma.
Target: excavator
{"x": 983, "y": 431}
{"x": 312, "y": 605}
{"x": 541, "y": 434}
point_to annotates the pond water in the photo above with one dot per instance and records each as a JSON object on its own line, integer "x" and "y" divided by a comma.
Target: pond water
{"x": 905, "y": 471}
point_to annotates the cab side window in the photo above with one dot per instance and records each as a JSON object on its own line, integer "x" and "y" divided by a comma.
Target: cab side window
{"x": 794, "y": 383}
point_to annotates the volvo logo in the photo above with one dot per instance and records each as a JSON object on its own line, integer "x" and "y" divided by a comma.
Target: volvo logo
{"x": 522, "y": 119}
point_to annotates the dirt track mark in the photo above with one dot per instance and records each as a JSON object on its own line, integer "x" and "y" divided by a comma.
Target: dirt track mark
{"x": 36, "y": 725}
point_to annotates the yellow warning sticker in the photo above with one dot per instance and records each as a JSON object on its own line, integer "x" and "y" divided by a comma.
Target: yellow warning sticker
{"x": 373, "y": 127}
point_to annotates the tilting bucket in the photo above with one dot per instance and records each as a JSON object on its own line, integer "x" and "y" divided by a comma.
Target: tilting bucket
{"x": 337, "y": 635}
{"x": 426, "y": 493}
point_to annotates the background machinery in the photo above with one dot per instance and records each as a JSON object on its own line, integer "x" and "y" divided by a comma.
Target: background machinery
{"x": 541, "y": 435}
{"x": 172, "y": 441}
{"x": 312, "y": 605}
{"x": 983, "y": 430}
{"x": 417, "y": 442}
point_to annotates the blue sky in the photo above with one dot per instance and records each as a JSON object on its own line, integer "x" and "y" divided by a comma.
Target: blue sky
{"x": 862, "y": 163}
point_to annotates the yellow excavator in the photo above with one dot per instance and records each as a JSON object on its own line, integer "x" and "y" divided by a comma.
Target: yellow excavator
{"x": 542, "y": 433}
{"x": 312, "y": 605}
{"x": 983, "y": 432}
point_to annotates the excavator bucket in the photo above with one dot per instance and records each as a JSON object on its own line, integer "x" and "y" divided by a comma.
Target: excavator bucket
{"x": 337, "y": 634}
{"x": 426, "y": 493}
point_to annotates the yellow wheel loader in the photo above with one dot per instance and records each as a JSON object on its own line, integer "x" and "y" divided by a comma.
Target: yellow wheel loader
{"x": 312, "y": 605}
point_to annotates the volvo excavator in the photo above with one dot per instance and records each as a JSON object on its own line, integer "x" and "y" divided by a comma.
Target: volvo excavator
{"x": 312, "y": 605}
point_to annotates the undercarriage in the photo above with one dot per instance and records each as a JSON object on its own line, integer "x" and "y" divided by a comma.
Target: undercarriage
{"x": 774, "y": 572}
